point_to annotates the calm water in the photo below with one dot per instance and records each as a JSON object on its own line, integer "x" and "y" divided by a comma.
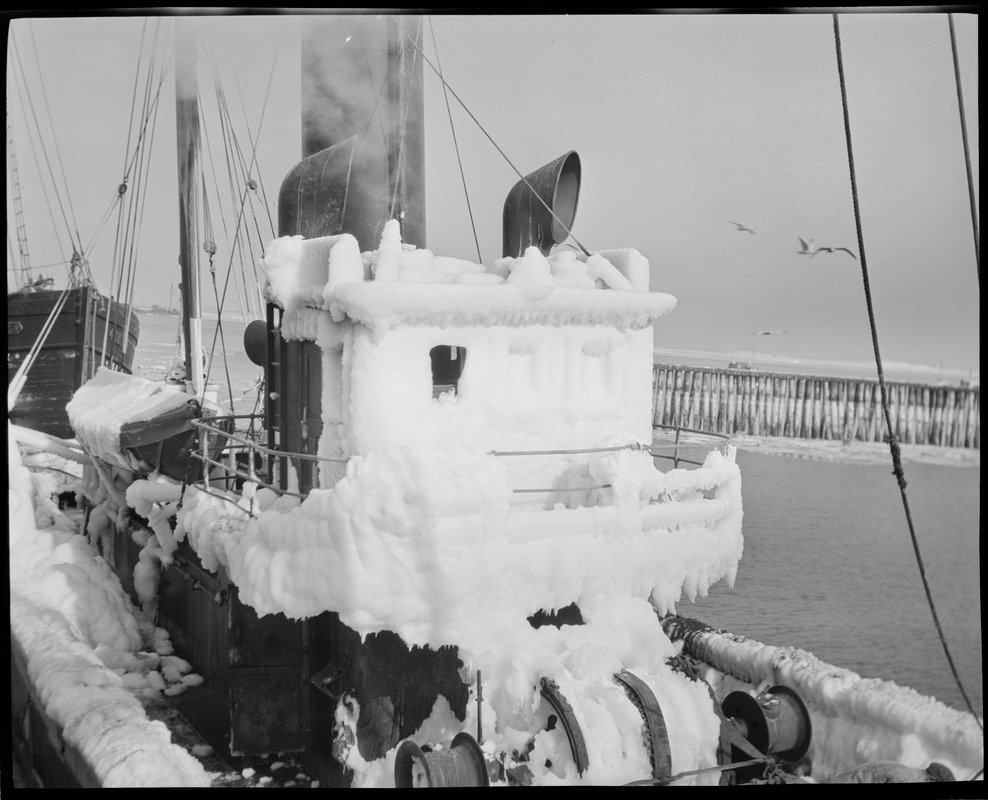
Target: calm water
{"x": 828, "y": 563}
{"x": 157, "y": 348}
{"x": 829, "y": 567}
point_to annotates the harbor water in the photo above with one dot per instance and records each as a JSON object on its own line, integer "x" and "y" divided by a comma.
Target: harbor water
{"x": 829, "y": 565}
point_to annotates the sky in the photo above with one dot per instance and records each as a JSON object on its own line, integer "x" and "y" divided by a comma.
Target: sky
{"x": 684, "y": 123}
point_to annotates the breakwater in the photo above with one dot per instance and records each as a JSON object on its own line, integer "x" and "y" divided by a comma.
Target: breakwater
{"x": 757, "y": 403}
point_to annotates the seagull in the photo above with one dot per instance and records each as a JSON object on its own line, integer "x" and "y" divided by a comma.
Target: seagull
{"x": 832, "y": 250}
{"x": 810, "y": 249}
{"x": 765, "y": 333}
{"x": 741, "y": 227}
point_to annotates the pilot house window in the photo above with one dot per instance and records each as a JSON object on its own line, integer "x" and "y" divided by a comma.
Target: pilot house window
{"x": 447, "y": 366}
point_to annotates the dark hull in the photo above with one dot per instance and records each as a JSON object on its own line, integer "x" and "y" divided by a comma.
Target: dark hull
{"x": 69, "y": 356}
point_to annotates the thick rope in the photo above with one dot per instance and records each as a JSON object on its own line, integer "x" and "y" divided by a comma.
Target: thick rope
{"x": 967, "y": 150}
{"x": 892, "y": 438}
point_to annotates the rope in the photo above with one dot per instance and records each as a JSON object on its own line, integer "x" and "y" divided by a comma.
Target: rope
{"x": 892, "y": 438}
{"x": 491, "y": 140}
{"x": 687, "y": 773}
{"x": 236, "y": 160}
{"x": 400, "y": 179}
{"x": 210, "y": 249}
{"x": 254, "y": 143}
{"x": 456, "y": 144}
{"x": 77, "y": 242}
{"x": 234, "y": 157}
{"x": 37, "y": 140}
{"x": 130, "y": 211}
{"x": 967, "y": 150}
{"x": 233, "y": 154}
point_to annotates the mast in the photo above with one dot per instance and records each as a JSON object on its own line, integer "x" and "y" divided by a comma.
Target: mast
{"x": 187, "y": 124}
{"x": 23, "y": 278}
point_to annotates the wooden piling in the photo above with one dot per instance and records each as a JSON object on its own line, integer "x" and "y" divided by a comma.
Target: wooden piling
{"x": 814, "y": 407}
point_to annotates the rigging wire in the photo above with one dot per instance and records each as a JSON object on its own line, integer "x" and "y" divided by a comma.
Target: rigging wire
{"x": 254, "y": 142}
{"x": 256, "y": 297}
{"x": 456, "y": 145}
{"x": 37, "y": 141}
{"x": 374, "y": 114}
{"x": 967, "y": 149}
{"x": 241, "y": 195}
{"x": 210, "y": 247}
{"x": 21, "y": 266}
{"x": 232, "y": 152}
{"x": 73, "y": 226}
{"x": 892, "y": 438}
{"x": 131, "y": 210}
{"x": 400, "y": 179}
{"x": 491, "y": 140}
{"x": 234, "y": 157}
{"x": 141, "y": 193}
{"x": 231, "y": 180}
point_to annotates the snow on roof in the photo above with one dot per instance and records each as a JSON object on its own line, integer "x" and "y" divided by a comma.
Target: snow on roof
{"x": 383, "y": 304}
{"x": 102, "y": 405}
{"x": 398, "y": 283}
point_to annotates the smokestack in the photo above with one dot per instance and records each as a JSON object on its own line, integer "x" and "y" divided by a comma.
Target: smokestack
{"x": 362, "y": 77}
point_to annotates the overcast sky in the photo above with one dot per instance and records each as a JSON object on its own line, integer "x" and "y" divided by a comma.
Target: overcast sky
{"x": 683, "y": 123}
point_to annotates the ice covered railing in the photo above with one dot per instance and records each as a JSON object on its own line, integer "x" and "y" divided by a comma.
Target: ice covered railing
{"x": 244, "y": 456}
{"x": 411, "y": 539}
{"x": 681, "y": 445}
{"x": 854, "y": 719}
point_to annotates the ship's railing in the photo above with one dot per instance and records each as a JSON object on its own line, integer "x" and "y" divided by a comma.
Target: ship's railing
{"x": 233, "y": 470}
{"x": 694, "y": 439}
{"x": 687, "y": 439}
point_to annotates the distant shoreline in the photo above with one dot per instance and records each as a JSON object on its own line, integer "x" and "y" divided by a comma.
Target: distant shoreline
{"x": 157, "y": 311}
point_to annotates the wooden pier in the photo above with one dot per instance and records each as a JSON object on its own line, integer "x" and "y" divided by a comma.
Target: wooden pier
{"x": 746, "y": 401}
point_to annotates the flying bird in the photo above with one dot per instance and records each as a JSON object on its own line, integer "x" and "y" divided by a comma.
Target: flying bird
{"x": 765, "y": 333}
{"x": 741, "y": 227}
{"x": 832, "y": 250}
{"x": 810, "y": 249}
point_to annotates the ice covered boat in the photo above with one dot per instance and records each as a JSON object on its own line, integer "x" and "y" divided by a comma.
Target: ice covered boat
{"x": 484, "y": 459}
{"x": 449, "y": 560}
